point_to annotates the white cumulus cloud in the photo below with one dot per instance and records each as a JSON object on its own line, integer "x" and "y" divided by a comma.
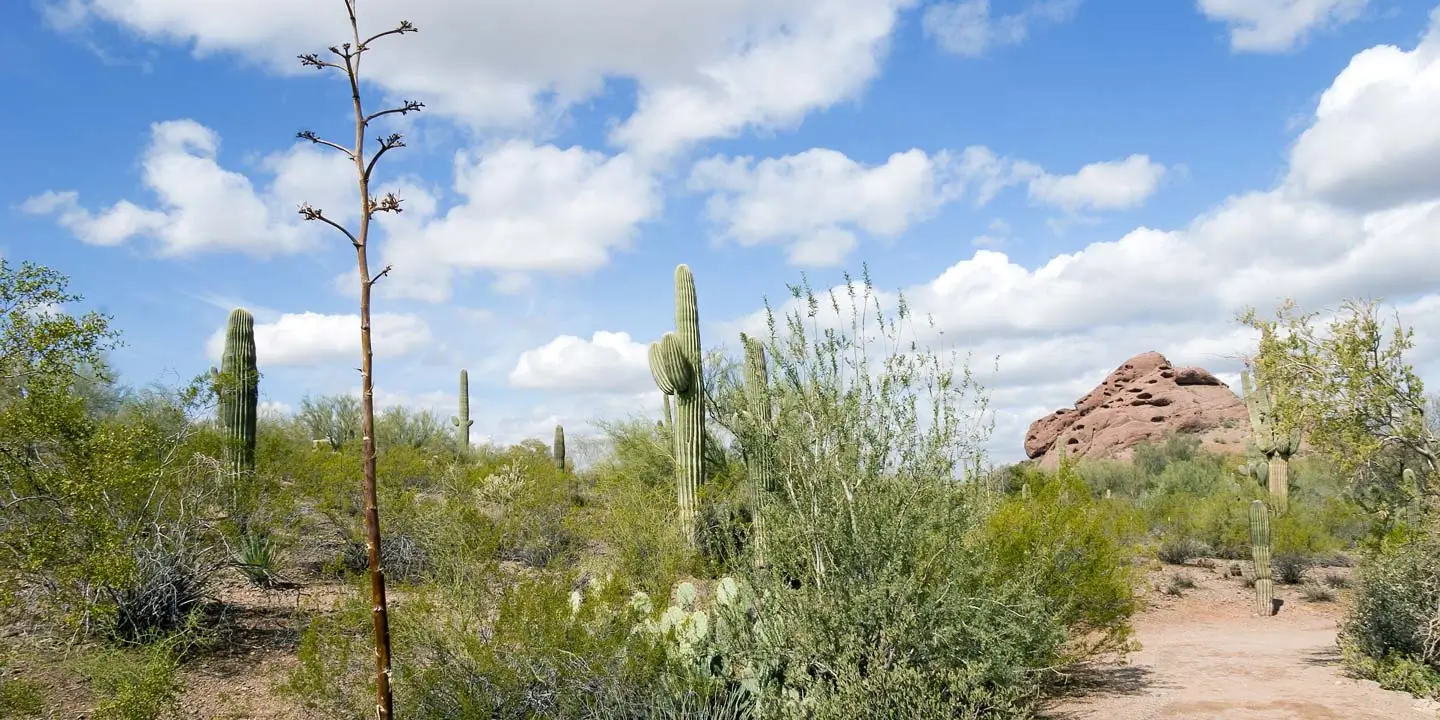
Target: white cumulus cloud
{"x": 203, "y": 206}
{"x": 704, "y": 69}
{"x": 1278, "y": 25}
{"x": 815, "y": 200}
{"x": 1114, "y": 185}
{"x": 522, "y": 208}
{"x": 309, "y": 338}
{"x": 607, "y": 363}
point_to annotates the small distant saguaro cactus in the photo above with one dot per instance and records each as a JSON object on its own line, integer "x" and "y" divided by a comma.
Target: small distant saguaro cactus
{"x": 675, "y": 363}
{"x": 558, "y": 448}
{"x": 239, "y": 391}
{"x": 1274, "y": 442}
{"x": 759, "y": 460}
{"x": 1260, "y": 553}
{"x": 462, "y": 422}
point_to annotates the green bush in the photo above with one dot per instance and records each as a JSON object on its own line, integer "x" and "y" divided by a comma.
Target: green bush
{"x": 1080, "y": 549}
{"x": 1389, "y": 632}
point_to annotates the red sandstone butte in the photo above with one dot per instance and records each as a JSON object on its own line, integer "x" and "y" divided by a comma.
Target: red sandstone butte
{"x": 1144, "y": 399}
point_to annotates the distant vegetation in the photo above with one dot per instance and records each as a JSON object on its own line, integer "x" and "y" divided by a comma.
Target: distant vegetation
{"x": 895, "y": 571}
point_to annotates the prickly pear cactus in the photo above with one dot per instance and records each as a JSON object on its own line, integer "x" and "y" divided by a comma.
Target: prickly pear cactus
{"x": 558, "y": 448}
{"x": 675, "y": 363}
{"x": 239, "y": 391}
{"x": 1260, "y": 553}
{"x": 462, "y": 422}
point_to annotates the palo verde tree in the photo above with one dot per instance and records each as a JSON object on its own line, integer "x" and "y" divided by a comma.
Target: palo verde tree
{"x": 347, "y": 57}
{"x": 1348, "y": 385}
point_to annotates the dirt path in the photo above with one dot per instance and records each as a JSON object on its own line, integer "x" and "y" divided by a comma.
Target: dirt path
{"x": 1207, "y": 655}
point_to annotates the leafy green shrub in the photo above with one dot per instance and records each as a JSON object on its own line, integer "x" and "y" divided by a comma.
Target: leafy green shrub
{"x": 139, "y": 683}
{"x": 517, "y": 650}
{"x": 1389, "y": 632}
{"x": 1080, "y": 549}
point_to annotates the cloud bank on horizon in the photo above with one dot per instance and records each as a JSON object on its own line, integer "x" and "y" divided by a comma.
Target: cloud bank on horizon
{"x": 1014, "y": 168}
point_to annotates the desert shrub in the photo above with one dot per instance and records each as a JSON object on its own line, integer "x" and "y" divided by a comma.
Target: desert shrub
{"x": 1316, "y": 592}
{"x": 1390, "y": 631}
{"x": 1081, "y": 548}
{"x": 1290, "y": 568}
{"x": 1122, "y": 478}
{"x": 888, "y": 586}
{"x": 514, "y": 647}
{"x": 140, "y": 683}
{"x": 1178, "y": 551}
{"x": 633, "y": 521}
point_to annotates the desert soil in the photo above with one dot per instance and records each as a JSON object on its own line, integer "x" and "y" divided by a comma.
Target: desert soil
{"x": 1207, "y": 655}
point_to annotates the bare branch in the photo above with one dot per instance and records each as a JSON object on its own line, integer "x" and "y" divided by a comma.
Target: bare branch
{"x": 401, "y": 29}
{"x": 408, "y": 106}
{"x": 313, "y": 60}
{"x": 382, "y": 274}
{"x": 390, "y": 203}
{"x": 312, "y": 137}
{"x": 394, "y": 140}
{"x": 312, "y": 213}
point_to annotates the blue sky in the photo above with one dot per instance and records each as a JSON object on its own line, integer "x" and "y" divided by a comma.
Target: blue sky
{"x": 1062, "y": 183}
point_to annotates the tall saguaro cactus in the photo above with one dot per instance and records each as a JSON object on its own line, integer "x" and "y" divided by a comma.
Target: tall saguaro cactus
{"x": 675, "y": 363}
{"x": 462, "y": 422}
{"x": 1260, "y": 553}
{"x": 239, "y": 392}
{"x": 558, "y": 448}
{"x": 759, "y": 458}
{"x": 1273, "y": 441}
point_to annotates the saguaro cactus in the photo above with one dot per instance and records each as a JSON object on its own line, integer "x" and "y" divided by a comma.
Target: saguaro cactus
{"x": 759, "y": 459}
{"x": 463, "y": 422}
{"x": 669, "y": 417}
{"x": 1260, "y": 553}
{"x": 558, "y": 448}
{"x": 1274, "y": 442}
{"x": 239, "y": 391}
{"x": 675, "y": 363}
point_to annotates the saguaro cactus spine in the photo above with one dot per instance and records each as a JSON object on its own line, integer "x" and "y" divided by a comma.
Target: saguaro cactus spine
{"x": 1273, "y": 441}
{"x": 675, "y": 363}
{"x": 1260, "y": 553}
{"x": 558, "y": 448}
{"x": 759, "y": 459}
{"x": 239, "y": 391}
{"x": 463, "y": 422}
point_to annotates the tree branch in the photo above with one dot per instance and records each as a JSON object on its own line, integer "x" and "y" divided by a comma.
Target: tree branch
{"x": 401, "y": 29}
{"x": 405, "y": 107}
{"x": 394, "y": 140}
{"x": 389, "y": 203}
{"x": 313, "y": 60}
{"x": 311, "y": 213}
{"x": 371, "y": 282}
{"x": 312, "y": 137}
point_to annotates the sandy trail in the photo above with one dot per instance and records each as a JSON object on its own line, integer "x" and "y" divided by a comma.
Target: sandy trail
{"x": 1206, "y": 655}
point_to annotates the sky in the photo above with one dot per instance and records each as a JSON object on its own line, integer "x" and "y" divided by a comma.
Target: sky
{"x": 1059, "y": 184}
